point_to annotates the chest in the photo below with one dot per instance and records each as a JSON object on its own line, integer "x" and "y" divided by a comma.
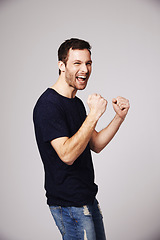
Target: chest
{"x": 75, "y": 115}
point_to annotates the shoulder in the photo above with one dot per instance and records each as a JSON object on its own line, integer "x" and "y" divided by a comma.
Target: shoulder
{"x": 48, "y": 103}
{"x": 48, "y": 98}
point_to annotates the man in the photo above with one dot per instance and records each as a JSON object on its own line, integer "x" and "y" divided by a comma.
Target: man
{"x": 65, "y": 138}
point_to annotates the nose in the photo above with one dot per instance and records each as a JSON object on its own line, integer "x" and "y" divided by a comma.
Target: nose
{"x": 84, "y": 68}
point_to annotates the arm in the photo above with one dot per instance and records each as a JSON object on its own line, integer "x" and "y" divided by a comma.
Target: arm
{"x": 69, "y": 149}
{"x": 100, "y": 139}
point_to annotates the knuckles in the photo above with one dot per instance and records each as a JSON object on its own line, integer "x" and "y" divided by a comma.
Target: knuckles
{"x": 95, "y": 97}
{"x": 98, "y": 99}
{"x": 123, "y": 102}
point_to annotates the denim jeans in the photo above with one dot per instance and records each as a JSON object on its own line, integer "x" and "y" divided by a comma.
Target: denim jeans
{"x": 79, "y": 223}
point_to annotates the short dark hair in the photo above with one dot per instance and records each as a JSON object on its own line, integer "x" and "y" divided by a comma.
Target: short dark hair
{"x": 73, "y": 43}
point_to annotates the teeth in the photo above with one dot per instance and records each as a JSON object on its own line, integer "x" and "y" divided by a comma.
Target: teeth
{"x": 82, "y": 77}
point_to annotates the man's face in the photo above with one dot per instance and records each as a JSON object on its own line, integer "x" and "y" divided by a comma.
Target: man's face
{"x": 78, "y": 68}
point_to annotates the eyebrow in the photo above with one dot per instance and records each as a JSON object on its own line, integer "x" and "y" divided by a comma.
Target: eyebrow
{"x": 90, "y": 61}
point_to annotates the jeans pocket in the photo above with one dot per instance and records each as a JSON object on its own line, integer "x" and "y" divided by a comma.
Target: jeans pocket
{"x": 56, "y": 212}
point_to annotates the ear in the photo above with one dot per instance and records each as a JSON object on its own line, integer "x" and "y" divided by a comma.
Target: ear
{"x": 61, "y": 66}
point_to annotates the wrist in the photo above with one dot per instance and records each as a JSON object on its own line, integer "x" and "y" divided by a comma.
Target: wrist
{"x": 119, "y": 119}
{"x": 93, "y": 118}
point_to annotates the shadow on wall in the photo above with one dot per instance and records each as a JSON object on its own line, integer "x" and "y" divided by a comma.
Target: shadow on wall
{"x": 156, "y": 237}
{"x": 157, "y": 2}
{"x": 3, "y": 3}
{"x": 2, "y": 237}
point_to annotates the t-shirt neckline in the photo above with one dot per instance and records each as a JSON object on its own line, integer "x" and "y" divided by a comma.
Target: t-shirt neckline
{"x": 69, "y": 99}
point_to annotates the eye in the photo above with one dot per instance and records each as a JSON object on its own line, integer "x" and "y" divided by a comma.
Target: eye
{"x": 89, "y": 64}
{"x": 77, "y": 63}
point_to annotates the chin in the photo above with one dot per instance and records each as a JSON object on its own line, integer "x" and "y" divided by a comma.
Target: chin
{"x": 81, "y": 88}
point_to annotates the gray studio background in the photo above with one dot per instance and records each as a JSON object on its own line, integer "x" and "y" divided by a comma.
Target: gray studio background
{"x": 125, "y": 39}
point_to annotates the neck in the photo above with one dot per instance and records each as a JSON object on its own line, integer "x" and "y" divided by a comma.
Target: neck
{"x": 63, "y": 88}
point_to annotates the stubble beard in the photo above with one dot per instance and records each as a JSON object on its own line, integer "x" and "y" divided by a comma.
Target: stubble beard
{"x": 72, "y": 82}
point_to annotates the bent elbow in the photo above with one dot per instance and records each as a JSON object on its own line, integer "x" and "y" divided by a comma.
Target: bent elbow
{"x": 97, "y": 150}
{"x": 67, "y": 159}
{"x": 69, "y": 163}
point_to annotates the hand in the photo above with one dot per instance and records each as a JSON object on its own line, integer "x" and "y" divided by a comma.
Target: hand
{"x": 97, "y": 105}
{"x": 121, "y": 106}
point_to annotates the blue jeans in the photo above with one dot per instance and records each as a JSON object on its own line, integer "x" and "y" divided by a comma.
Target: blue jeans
{"x": 79, "y": 223}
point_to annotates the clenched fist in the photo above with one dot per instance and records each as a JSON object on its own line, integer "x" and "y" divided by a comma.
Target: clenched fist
{"x": 121, "y": 106}
{"x": 97, "y": 105}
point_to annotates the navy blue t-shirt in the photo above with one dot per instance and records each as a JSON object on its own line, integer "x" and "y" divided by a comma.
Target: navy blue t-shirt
{"x": 58, "y": 116}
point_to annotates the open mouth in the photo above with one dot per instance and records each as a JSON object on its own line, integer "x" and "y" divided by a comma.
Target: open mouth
{"x": 81, "y": 78}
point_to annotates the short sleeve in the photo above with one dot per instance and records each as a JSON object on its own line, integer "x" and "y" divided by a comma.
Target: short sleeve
{"x": 52, "y": 121}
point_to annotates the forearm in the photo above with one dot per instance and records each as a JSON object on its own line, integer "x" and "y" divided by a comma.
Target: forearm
{"x": 74, "y": 146}
{"x": 102, "y": 138}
